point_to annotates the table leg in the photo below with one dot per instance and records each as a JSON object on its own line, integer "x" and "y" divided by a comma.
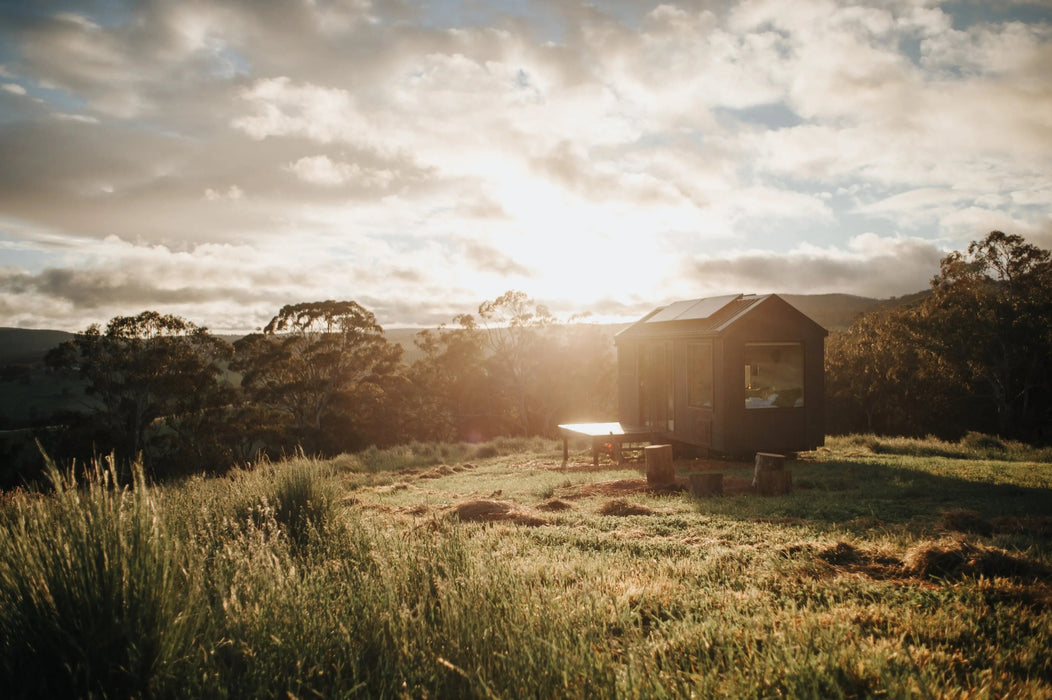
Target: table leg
{"x": 566, "y": 450}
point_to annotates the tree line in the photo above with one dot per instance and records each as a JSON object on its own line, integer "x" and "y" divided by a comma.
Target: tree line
{"x": 321, "y": 377}
{"x": 973, "y": 355}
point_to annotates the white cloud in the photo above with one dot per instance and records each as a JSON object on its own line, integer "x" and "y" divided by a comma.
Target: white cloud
{"x": 386, "y": 152}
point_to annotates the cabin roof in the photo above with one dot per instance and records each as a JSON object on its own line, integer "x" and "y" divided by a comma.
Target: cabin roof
{"x": 710, "y": 315}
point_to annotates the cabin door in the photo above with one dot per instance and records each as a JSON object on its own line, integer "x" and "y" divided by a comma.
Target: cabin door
{"x": 656, "y": 391}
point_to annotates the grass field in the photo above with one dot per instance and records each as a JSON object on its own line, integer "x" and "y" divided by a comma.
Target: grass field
{"x": 895, "y": 568}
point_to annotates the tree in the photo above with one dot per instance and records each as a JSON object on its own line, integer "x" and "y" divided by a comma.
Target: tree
{"x": 515, "y": 328}
{"x": 971, "y": 356}
{"x": 145, "y": 368}
{"x": 880, "y": 379}
{"x": 453, "y": 388}
{"x": 990, "y": 316}
{"x": 312, "y": 362}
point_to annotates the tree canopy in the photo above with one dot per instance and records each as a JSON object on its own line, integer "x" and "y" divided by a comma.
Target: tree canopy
{"x": 973, "y": 355}
{"x": 311, "y": 362}
{"x": 144, "y": 368}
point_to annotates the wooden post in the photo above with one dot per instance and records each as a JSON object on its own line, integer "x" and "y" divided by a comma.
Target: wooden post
{"x": 706, "y": 484}
{"x": 660, "y": 469}
{"x": 770, "y": 477}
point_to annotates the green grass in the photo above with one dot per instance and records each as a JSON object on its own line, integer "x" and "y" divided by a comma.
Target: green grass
{"x": 897, "y": 568}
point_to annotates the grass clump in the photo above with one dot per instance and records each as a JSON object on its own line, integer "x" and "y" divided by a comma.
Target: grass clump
{"x": 94, "y": 594}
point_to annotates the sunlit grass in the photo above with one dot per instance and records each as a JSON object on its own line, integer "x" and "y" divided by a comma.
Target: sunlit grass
{"x": 882, "y": 573}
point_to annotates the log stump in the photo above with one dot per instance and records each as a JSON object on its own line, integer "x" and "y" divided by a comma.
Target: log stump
{"x": 660, "y": 470}
{"x": 706, "y": 484}
{"x": 775, "y": 483}
{"x": 770, "y": 477}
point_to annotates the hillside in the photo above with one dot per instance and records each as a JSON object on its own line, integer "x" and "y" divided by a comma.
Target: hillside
{"x": 836, "y": 312}
{"x": 23, "y": 346}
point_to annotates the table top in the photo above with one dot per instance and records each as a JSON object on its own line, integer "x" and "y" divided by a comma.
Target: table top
{"x": 600, "y": 429}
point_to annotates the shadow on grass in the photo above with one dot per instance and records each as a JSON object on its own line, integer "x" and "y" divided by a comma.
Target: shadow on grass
{"x": 863, "y": 495}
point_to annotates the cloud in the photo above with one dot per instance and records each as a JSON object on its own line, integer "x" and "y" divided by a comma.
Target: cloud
{"x": 492, "y": 261}
{"x": 422, "y": 156}
{"x": 871, "y": 266}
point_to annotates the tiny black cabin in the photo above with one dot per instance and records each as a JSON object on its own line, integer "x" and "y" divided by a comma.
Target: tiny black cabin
{"x": 732, "y": 375}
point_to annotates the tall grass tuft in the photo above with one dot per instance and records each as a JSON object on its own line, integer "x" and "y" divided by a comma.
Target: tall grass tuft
{"x": 297, "y": 494}
{"x": 93, "y": 600}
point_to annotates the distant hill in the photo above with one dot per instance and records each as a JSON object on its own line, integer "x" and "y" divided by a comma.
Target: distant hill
{"x": 836, "y": 312}
{"x": 22, "y": 346}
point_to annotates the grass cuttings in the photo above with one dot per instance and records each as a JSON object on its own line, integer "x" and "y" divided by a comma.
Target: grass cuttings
{"x": 621, "y": 507}
{"x": 899, "y": 575}
{"x": 484, "y": 511}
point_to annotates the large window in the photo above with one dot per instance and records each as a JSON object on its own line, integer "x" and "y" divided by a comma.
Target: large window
{"x": 699, "y": 375}
{"x": 774, "y": 375}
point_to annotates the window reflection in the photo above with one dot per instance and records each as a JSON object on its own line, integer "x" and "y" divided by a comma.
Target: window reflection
{"x": 774, "y": 375}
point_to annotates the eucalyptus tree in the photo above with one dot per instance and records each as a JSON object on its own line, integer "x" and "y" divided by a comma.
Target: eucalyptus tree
{"x": 990, "y": 315}
{"x": 314, "y": 362}
{"x": 143, "y": 370}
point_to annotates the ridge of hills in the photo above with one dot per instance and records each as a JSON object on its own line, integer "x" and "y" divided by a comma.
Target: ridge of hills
{"x": 835, "y": 312}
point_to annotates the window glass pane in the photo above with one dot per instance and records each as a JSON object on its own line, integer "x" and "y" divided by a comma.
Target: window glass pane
{"x": 774, "y": 375}
{"x": 699, "y": 375}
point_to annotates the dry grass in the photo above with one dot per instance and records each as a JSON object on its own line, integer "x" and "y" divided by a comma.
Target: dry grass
{"x": 554, "y": 505}
{"x": 621, "y": 507}
{"x": 486, "y": 511}
{"x": 956, "y": 559}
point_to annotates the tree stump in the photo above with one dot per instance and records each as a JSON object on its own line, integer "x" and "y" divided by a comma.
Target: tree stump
{"x": 660, "y": 470}
{"x": 706, "y": 484}
{"x": 770, "y": 477}
{"x": 775, "y": 483}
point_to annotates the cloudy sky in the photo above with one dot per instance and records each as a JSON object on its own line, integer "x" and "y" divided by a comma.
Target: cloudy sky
{"x": 218, "y": 159}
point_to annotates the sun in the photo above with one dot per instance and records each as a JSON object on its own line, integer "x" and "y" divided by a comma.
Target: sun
{"x": 578, "y": 251}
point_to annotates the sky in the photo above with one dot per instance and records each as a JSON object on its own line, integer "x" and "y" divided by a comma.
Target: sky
{"x": 220, "y": 159}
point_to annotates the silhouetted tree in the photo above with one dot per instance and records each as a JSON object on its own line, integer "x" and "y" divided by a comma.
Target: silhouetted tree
{"x": 144, "y": 368}
{"x": 454, "y": 394}
{"x": 881, "y": 379}
{"x": 515, "y": 328}
{"x": 312, "y": 362}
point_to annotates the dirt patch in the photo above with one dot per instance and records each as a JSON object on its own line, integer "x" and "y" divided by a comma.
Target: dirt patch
{"x": 486, "y": 511}
{"x": 621, "y": 507}
{"x": 962, "y": 520}
{"x": 554, "y": 505}
{"x": 437, "y": 472}
{"x": 625, "y": 487}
